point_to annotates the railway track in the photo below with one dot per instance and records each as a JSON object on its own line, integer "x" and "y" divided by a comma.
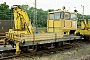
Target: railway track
{"x": 40, "y": 52}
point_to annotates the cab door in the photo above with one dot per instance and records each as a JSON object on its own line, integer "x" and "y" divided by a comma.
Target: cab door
{"x": 67, "y": 20}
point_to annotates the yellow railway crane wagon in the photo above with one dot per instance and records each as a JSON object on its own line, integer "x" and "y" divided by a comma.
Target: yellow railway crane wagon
{"x": 62, "y": 21}
{"x": 23, "y": 36}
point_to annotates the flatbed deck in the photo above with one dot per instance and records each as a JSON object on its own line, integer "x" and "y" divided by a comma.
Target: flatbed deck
{"x": 64, "y": 38}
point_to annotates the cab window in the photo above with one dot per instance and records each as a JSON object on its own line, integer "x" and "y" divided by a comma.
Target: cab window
{"x": 57, "y": 15}
{"x": 67, "y": 16}
{"x": 73, "y": 16}
{"x": 51, "y": 16}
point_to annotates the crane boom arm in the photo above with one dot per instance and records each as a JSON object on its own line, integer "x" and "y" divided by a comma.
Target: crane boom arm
{"x": 21, "y": 20}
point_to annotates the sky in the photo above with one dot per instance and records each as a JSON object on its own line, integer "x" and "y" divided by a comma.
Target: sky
{"x": 54, "y": 4}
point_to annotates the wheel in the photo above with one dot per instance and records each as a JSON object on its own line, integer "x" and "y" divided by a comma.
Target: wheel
{"x": 34, "y": 48}
{"x": 13, "y": 45}
{"x": 56, "y": 44}
{"x": 78, "y": 34}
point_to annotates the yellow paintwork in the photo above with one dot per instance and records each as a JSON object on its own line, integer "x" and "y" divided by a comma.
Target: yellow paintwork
{"x": 83, "y": 24}
{"x": 21, "y": 22}
{"x": 61, "y": 25}
{"x": 84, "y": 32}
{"x": 18, "y": 48}
{"x": 50, "y": 29}
{"x": 85, "y": 28}
{"x": 38, "y": 37}
{"x": 56, "y": 29}
{"x": 22, "y": 25}
{"x": 57, "y": 23}
{"x": 50, "y": 23}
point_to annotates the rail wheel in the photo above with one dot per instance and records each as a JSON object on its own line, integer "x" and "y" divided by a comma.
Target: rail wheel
{"x": 34, "y": 48}
{"x": 57, "y": 44}
{"x": 78, "y": 34}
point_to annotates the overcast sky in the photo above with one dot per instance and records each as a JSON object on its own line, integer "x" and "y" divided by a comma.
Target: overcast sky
{"x": 54, "y": 4}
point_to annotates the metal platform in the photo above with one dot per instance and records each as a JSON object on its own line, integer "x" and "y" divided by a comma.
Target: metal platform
{"x": 65, "y": 38}
{"x": 6, "y": 48}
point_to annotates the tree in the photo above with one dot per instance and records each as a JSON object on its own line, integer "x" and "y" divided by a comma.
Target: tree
{"x": 5, "y": 12}
{"x": 25, "y": 7}
{"x": 80, "y": 17}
